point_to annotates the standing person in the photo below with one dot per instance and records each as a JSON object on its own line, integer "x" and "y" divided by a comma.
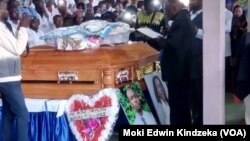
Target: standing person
{"x": 196, "y": 100}
{"x": 239, "y": 28}
{"x": 177, "y": 61}
{"x": 11, "y": 47}
{"x": 228, "y": 27}
{"x": 243, "y": 74}
{"x": 150, "y": 18}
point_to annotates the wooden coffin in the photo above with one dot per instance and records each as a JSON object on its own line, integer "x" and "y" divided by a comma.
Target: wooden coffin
{"x": 52, "y": 74}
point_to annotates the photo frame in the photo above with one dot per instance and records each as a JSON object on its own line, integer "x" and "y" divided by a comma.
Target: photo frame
{"x": 156, "y": 85}
{"x": 135, "y": 105}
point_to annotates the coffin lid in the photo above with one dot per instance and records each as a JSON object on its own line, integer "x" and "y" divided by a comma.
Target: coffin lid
{"x": 46, "y": 57}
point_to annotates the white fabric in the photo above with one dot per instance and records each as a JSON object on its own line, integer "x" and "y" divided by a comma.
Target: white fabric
{"x": 170, "y": 22}
{"x": 247, "y": 109}
{"x": 96, "y": 2}
{"x": 12, "y": 47}
{"x": 166, "y": 110}
{"x": 228, "y": 26}
{"x": 34, "y": 38}
{"x": 35, "y": 105}
{"x": 45, "y": 23}
{"x": 51, "y": 15}
{"x": 42, "y": 105}
{"x": 10, "y": 78}
{"x": 148, "y": 116}
{"x": 193, "y": 15}
{"x": 199, "y": 34}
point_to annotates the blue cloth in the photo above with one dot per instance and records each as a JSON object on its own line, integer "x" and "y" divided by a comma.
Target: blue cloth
{"x": 29, "y": 11}
{"x": 73, "y": 30}
{"x": 45, "y": 126}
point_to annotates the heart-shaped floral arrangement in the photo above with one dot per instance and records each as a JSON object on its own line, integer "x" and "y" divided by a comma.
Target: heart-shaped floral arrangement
{"x": 92, "y": 118}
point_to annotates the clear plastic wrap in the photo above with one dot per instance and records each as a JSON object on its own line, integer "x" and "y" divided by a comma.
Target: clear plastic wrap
{"x": 119, "y": 34}
{"x": 90, "y": 34}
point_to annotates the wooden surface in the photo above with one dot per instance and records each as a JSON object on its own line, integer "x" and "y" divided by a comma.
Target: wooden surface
{"x": 97, "y": 69}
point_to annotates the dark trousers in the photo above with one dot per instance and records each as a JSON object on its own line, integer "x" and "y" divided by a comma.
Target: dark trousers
{"x": 179, "y": 102}
{"x": 228, "y": 75}
{"x": 14, "y": 110}
{"x": 196, "y": 101}
{"x": 196, "y": 92}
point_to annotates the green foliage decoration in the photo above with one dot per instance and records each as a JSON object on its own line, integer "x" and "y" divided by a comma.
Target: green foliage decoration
{"x": 124, "y": 101}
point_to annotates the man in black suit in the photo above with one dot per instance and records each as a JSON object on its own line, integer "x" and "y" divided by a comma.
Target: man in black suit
{"x": 177, "y": 61}
{"x": 243, "y": 74}
{"x": 196, "y": 100}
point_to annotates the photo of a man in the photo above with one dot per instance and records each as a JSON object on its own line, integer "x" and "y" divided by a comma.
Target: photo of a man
{"x": 135, "y": 106}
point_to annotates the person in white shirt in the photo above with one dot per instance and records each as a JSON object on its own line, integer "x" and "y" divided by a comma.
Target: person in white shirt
{"x": 52, "y": 11}
{"x": 11, "y": 47}
{"x": 142, "y": 117}
{"x": 34, "y": 34}
{"x": 228, "y": 26}
{"x": 44, "y": 17}
{"x": 196, "y": 93}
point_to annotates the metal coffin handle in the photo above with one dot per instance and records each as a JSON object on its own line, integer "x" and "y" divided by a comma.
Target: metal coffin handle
{"x": 68, "y": 76}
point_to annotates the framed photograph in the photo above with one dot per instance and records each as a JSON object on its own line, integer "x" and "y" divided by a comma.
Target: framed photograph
{"x": 159, "y": 95}
{"x": 135, "y": 105}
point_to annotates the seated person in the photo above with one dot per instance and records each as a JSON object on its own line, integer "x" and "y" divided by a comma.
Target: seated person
{"x": 109, "y": 16}
{"x": 34, "y": 34}
{"x": 58, "y": 21}
{"x": 67, "y": 16}
{"x": 78, "y": 17}
{"x": 97, "y": 12}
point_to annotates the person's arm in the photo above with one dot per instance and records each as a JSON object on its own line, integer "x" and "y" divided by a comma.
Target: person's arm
{"x": 16, "y": 45}
{"x": 175, "y": 35}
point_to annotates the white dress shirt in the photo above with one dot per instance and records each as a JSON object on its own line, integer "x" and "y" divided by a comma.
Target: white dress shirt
{"x": 146, "y": 116}
{"x": 228, "y": 26}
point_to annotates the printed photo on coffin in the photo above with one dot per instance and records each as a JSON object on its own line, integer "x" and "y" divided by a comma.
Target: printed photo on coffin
{"x": 135, "y": 106}
{"x": 159, "y": 95}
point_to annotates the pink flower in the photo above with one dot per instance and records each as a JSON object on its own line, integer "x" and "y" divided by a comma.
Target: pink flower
{"x": 90, "y": 126}
{"x": 93, "y": 123}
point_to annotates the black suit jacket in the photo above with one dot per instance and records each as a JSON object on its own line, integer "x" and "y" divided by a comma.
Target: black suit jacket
{"x": 243, "y": 68}
{"x": 178, "y": 49}
{"x": 198, "y": 48}
{"x": 197, "y": 21}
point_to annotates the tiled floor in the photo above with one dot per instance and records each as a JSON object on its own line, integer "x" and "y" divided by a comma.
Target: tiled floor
{"x": 234, "y": 112}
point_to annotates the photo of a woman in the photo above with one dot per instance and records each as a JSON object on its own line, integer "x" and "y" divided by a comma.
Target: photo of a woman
{"x": 159, "y": 95}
